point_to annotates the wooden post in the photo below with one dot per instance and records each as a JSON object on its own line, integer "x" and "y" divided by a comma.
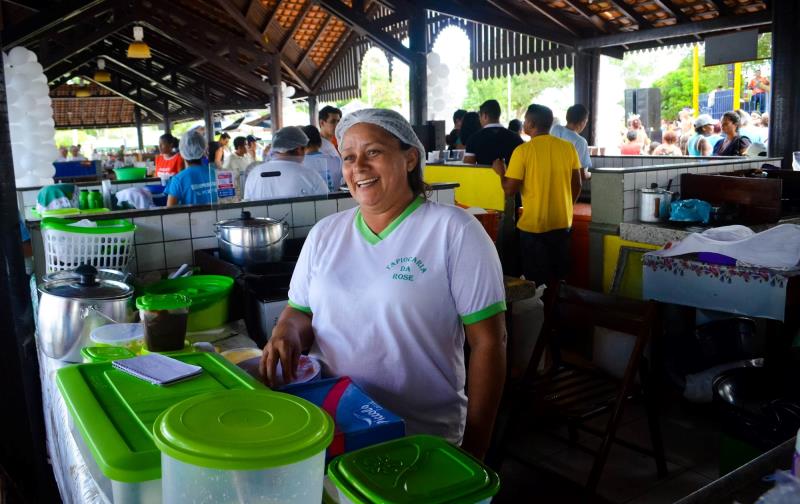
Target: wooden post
{"x": 137, "y": 113}
{"x": 585, "y": 68}
{"x": 208, "y": 115}
{"x": 167, "y": 122}
{"x": 418, "y": 70}
{"x": 784, "y": 131}
{"x": 276, "y": 98}
{"x": 313, "y": 111}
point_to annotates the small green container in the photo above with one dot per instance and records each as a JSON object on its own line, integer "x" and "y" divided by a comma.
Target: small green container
{"x": 411, "y": 470}
{"x": 130, "y": 173}
{"x": 105, "y": 353}
{"x": 209, "y": 294}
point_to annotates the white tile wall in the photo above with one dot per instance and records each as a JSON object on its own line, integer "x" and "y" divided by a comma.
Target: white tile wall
{"x": 301, "y": 231}
{"x": 176, "y": 226}
{"x": 303, "y": 213}
{"x": 629, "y": 181}
{"x": 281, "y": 212}
{"x": 150, "y": 257}
{"x": 148, "y": 230}
{"x": 204, "y": 243}
{"x": 203, "y": 223}
{"x": 324, "y": 208}
{"x": 178, "y": 253}
{"x": 640, "y": 180}
{"x": 258, "y": 211}
{"x": 628, "y": 199}
{"x": 229, "y": 213}
{"x": 630, "y": 214}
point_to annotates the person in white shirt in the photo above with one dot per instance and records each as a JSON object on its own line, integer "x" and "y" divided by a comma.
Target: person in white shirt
{"x": 387, "y": 292}
{"x": 577, "y": 119}
{"x": 329, "y": 117}
{"x": 234, "y": 171}
{"x": 286, "y": 177}
{"x": 329, "y": 167}
{"x": 75, "y": 153}
{"x": 62, "y": 155}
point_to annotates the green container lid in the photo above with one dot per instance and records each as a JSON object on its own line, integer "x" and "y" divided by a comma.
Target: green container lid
{"x": 157, "y": 302}
{"x": 115, "y": 411}
{"x": 243, "y": 430}
{"x": 412, "y": 470}
{"x": 105, "y": 353}
{"x": 203, "y": 290}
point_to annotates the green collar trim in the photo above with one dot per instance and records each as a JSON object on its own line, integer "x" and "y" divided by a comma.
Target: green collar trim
{"x": 373, "y": 238}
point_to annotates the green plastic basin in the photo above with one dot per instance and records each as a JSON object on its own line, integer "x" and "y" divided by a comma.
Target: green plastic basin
{"x": 130, "y": 173}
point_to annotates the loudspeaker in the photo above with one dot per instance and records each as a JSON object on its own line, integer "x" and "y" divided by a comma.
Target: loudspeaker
{"x": 647, "y": 103}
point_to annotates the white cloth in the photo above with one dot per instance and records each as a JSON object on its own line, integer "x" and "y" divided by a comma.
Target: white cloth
{"x": 138, "y": 197}
{"x": 77, "y": 158}
{"x": 328, "y": 148}
{"x": 389, "y": 312}
{"x": 237, "y": 163}
{"x": 295, "y": 180}
{"x": 580, "y": 143}
{"x": 328, "y": 167}
{"x": 777, "y": 247}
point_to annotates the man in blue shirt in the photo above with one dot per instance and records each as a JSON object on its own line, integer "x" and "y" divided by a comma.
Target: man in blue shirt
{"x": 577, "y": 119}
{"x": 197, "y": 184}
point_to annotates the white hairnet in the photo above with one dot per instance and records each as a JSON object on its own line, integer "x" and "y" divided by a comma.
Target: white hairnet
{"x": 193, "y": 144}
{"x": 387, "y": 119}
{"x": 288, "y": 138}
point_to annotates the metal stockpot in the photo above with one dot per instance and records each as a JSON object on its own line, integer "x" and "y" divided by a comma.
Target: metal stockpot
{"x": 654, "y": 204}
{"x": 70, "y": 308}
{"x": 251, "y": 240}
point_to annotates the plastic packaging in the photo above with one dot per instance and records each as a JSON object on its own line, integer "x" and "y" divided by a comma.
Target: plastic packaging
{"x": 165, "y": 318}
{"x": 690, "y": 210}
{"x": 786, "y": 490}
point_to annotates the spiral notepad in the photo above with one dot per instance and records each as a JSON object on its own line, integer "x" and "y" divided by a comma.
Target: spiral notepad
{"x": 158, "y": 369}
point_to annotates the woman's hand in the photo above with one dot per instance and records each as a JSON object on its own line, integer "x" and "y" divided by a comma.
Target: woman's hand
{"x": 292, "y": 335}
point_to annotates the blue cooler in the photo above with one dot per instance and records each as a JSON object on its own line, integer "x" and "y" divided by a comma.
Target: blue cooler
{"x": 360, "y": 421}
{"x": 159, "y": 196}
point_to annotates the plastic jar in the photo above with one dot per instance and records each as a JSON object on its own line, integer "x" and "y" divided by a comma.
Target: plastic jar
{"x": 165, "y": 317}
{"x": 243, "y": 446}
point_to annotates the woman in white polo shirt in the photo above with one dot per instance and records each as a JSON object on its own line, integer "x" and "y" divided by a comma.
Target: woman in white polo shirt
{"x": 386, "y": 292}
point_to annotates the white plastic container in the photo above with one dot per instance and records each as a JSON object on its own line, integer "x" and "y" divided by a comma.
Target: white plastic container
{"x": 243, "y": 446}
{"x": 130, "y": 336}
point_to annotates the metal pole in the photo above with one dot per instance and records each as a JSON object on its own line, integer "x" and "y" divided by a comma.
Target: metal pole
{"x": 586, "y": 71}
{"x": 23, "y": 445}
{"x": 696, "y": 79}
{"x": 137, "y": 113}
{"x": 207, "y": 115}
{"x": 313, "y": 111}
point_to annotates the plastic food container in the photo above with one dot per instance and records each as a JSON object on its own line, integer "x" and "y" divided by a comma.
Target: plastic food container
{"x": 209, "y": 295}
{"x": 165, "y": 318}
{"x": 187, "y": 347}
{"x": 105, "y": 353}
{"x": 114, "y": 413}
{"x": 412, "y": 470}
{"x": 129, "y": 336}
{"x": 243, "y": 446}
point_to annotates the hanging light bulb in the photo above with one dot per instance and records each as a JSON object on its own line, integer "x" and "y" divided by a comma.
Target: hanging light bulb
{"x": 102, "y": 75}
{"x": 82, "y": 90}
{"x": 138, "y": 48}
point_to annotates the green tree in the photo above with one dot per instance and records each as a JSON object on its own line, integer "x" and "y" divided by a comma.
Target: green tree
{"x": 377, "y": 90}
{"x": 523, "y": 89}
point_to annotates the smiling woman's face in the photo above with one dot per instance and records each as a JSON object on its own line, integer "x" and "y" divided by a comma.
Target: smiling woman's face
{"x": 376, "y": 168}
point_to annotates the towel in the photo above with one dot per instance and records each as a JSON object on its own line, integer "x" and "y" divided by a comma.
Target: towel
{"x": 138, "y": 197}
{"x": 56, "y": 196}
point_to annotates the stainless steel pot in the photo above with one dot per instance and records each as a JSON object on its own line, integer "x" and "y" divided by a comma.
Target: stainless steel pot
{"x": 250, "y": 240}
{"x": 654, "y": 204}
{"x": 70, "y": 308}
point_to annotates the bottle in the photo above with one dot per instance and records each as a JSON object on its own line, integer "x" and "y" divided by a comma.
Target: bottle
{"x": 83, "y": 200}
{"x": 95, "y": 199}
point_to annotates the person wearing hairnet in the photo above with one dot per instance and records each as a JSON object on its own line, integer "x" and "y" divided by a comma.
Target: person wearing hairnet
{"x": 289, "y": 178}
{"x": 386, "y": 292}
{"x": 196, "y": 184}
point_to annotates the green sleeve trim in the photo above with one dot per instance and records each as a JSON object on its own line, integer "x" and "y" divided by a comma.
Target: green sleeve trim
{"x": 304, "y": 309}
{"x": 489, "y": 311}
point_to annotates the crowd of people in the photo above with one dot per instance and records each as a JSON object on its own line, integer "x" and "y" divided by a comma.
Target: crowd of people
{"x": 738, "y": 133}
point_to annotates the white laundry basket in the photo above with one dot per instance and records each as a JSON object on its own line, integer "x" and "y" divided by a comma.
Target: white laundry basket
{"x": 103, "y": 243}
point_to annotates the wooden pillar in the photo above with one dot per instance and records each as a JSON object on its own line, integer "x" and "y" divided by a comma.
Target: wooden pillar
{"x": 784, "y": 130}
{"x": 418, "y": 70}
{"x": 23, "y": 442}
{"x": 313, "y": 111}
{"x": 137, "y": 113}
{"x": 585, "y": 68}
{"x": 208, "y": 115}
{"x": 167, "y": 122}
{"x": 276, "y": 97}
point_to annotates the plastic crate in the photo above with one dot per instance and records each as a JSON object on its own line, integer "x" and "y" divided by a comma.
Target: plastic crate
{"x": 109, "y": 244}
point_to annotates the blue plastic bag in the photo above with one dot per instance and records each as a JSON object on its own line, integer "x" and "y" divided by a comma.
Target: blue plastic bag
{"x": 690, "y": 210}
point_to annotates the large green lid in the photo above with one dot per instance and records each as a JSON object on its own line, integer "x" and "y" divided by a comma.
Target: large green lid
{"x": 243, "y": 430}
{"x": 105, "y": 353}
{"x": 412, "y": 470}
{"x": 156, "y": 302}
{"x": 203, "y": 290}
{"x": 115, "y": 411}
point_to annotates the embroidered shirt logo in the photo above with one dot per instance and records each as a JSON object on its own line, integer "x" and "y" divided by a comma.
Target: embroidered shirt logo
{"x": 406, "y": 268}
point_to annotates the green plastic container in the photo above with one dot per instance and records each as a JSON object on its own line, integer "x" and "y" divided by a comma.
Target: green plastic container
{"x": 115, "y": 413}
{"x": 165, "y": 318}
{"x": 412, "y": 470}
{"x": 209, "y": 294}
{"x": 243, "y": 446}
{"x": 130, "y": 173}
{"x": 105, "y": 353}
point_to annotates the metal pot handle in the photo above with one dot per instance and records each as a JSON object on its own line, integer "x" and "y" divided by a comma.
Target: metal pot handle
{"x": 96, "y": 309}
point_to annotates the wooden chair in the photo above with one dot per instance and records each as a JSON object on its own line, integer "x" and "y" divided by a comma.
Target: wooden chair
{"x": 574, "y": 391}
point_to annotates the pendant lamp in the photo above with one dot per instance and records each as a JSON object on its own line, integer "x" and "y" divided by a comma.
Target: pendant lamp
{"x": 138, "y": 48}
{"x": 102, "y": 75}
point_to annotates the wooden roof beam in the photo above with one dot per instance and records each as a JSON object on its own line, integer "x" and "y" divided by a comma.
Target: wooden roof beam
{"x": 553, "y": 14}
{"x": 333, "y": 61}
{"x": 363, "y": 26}
{"x": 586, "y": 13}
{"x": 678, "y": 30}
{"x": 631, "y": 12}
{"x": 675, "y": 10}
{"x": 47, "y": 21}
{"x": 149, "y": 106}
{"x": 722, "y": 8}
{"x": 296, "y": 24}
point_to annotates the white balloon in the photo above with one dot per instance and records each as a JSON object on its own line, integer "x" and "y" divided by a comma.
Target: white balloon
{"x": 45, "y": 170}
{"x": 26, "y": 102}
{"x": 45, "y": 100}
{"x": 19, "y": 56}
{"x": 29, "y": 180}
{"x": 444, "y": 71}
{"x": 433, "y": 59}
{"x": 437, "y": 91}
{"x": 48, "y": 122}
{"x": 41, "y": 111}
{"x": 439, "y": 105}
{"x": 39, "y": 78}
{"x": 39, "y": 90}
{"x": 31, "y": 70}
{"x": 289, "y": 92}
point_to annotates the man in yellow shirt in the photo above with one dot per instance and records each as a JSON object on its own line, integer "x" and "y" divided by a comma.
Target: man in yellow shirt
{"x": 548, "y": 173}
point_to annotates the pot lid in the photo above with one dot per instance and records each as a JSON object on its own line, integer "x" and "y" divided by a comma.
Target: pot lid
{"x": 653, "y": 189}
{"x": 243, "y": 430}
{"x": 87, "y": 286}
{"x": 248, "y": 221}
